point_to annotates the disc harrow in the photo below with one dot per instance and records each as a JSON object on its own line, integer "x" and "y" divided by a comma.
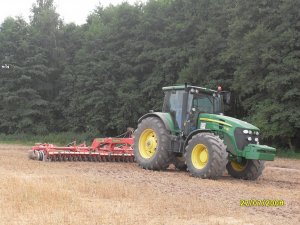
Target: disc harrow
{"x": 101, "y": 150}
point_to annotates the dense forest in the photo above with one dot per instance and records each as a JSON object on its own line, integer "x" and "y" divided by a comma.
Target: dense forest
{"x": 103, "y": 75}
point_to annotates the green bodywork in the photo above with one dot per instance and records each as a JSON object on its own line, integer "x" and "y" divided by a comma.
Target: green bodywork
{"x": 223, "y": 126}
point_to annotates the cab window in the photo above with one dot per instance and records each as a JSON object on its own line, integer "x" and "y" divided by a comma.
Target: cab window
{"x": 203, "y": 103}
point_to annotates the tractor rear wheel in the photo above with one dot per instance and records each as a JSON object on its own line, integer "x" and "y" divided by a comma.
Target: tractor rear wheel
{"x": 206, "y": 156}
{"x": 247, "y": 169}
{"x": 152, "y": 144}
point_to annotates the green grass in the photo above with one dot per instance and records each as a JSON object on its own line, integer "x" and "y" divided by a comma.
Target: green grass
{"x": 288, "y": 154}
{"x": 54, "y": 138}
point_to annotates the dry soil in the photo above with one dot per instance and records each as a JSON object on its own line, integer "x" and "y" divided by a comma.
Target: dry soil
{"x": 34, "y": 192}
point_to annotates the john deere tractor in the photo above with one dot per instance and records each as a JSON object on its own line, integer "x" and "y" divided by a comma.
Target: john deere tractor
{"x": 192, "y": 133}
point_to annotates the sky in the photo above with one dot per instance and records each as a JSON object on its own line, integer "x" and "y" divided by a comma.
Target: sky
{"x": 70, "y": 10}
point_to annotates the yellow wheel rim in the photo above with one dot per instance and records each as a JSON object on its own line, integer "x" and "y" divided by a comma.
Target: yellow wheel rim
{"x": 147, "y": 143}
{"x": 238, "y": 166}
{"x": 200, "y": 156}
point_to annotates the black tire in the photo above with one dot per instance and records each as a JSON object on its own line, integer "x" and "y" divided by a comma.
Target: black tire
{"x": 161, "y": 156}
{"x": 248, "y": 169}
{"x": 179, "y": 163}
{"x": 214, "y": 162}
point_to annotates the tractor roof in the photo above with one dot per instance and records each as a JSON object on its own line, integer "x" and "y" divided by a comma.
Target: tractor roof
{"x": 182, "y": 87}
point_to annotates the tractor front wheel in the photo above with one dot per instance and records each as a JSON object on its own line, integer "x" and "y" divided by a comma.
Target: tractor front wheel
{"x": 206, "y": 156}
{"x": 247, "y": 169}
{"x": 152, "y": 144}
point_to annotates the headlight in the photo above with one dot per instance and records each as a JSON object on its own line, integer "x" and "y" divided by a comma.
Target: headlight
{"x": 257, "y": 133}
{"x": 250, "y": 131}
{"x": 249, "y": 138}
{"x": 256, "y": 139}
{"x": 246, "y": 131}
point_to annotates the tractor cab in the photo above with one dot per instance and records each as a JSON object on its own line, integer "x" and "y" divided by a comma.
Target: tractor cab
{"x": 185, "y": 103}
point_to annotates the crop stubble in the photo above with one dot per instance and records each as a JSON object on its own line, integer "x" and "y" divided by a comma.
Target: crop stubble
{"x": 33, "y": 192}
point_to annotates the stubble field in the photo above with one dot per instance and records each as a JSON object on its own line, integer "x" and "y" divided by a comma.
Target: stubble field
{"x": 33, "y": 192}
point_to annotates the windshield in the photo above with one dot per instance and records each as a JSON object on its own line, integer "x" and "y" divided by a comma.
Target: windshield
{"x": 206, "y": 103}
{"x": 173, "y": 101}
{"x": 173, "y": 105}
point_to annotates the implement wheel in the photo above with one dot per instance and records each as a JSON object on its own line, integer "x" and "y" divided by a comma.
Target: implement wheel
{"x": 206, "y": 156}
{"x": 151, "y": 144}
{"x": 247, "y": 169}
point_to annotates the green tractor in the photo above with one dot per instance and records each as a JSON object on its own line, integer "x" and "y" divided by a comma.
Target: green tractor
{"x": 192, "y": 133}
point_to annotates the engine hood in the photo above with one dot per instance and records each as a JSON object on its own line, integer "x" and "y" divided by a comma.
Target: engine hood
{"x": 227, "y": 120}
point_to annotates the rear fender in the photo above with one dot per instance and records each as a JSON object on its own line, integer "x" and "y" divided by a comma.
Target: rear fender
{"x": 165, "y": 118}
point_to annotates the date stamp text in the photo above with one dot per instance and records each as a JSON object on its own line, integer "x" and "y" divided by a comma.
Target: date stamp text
{"x": 262, "y": 203}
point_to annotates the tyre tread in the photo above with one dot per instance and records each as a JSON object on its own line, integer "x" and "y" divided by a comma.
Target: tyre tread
{"x": 219, "y": 156}
{"x": 163, "y": 158}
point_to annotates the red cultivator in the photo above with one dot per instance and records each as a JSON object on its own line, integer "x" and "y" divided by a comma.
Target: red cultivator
{"x": 102, "y": 150}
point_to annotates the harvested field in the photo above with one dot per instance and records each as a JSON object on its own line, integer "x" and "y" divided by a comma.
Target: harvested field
{"x": 33, "y": 192}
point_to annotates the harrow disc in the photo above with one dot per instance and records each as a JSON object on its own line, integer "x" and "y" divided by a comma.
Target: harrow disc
{"x": 31, "y": 155}
{"x": 101, "y": 150}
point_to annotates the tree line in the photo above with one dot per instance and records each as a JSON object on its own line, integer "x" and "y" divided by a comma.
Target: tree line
{"x": 103, "y": 75}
